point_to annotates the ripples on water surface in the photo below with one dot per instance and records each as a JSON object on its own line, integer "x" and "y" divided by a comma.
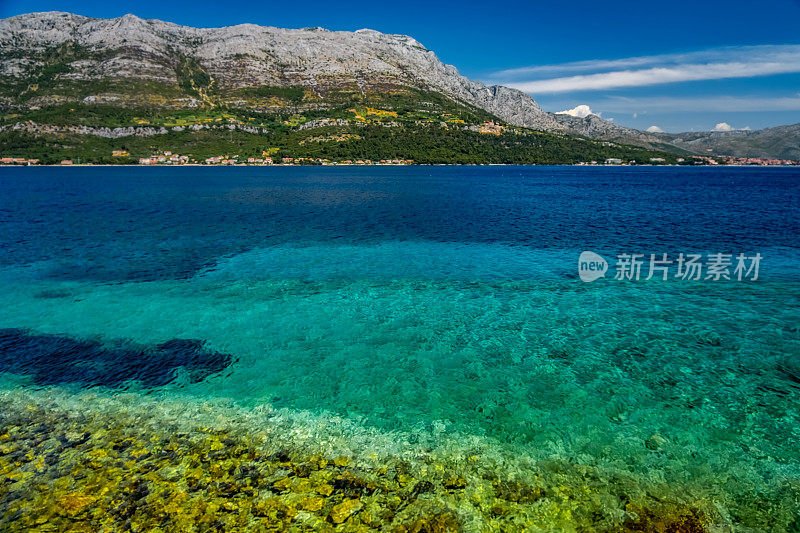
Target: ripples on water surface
{"x": 419, "y": 311}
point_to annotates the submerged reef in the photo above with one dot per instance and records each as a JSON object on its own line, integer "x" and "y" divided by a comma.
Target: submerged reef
{"x": 58, "y": 359}
{"x": 110, "y": 468}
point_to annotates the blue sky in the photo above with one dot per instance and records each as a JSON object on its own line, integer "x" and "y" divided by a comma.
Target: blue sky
{"x": 678, "y": 65}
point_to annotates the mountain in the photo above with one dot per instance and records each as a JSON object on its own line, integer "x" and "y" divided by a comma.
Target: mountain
{"x": 137, "y": 85}
{"x": 245, "y": 56}
{"x": 782, "y": 142}
{"x": 594, "y": 127}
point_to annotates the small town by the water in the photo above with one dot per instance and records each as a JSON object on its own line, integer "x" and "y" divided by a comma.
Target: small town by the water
{"x": 170, "y": 159}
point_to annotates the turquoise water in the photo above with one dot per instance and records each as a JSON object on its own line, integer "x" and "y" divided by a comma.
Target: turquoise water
{"x": 440, "y": 304}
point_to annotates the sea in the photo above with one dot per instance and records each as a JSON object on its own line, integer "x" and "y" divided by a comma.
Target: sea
{"x": 624, "y": 339}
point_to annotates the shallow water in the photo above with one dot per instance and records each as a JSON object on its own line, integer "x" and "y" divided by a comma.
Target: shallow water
{"x": 438, "y": 303}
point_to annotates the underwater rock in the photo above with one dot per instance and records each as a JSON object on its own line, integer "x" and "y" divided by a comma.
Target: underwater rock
{"x": 517, "y": 492}
{"x": 708, "y": 338}
{"x": 454, "y": 482}
{"x": 345, "y": 510}
{"x": 58, "y": 359}
{"x": 73, "y": 504}
{"x": 666, "y": 519}
{"x": 655, "y": 442}
{"x": 789, "y": 369}
{"x": 421, "y": 488}
{"x": 126, "y": 470}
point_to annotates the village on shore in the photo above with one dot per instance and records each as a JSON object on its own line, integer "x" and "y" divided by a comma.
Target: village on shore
{"x": 171, "y": 159}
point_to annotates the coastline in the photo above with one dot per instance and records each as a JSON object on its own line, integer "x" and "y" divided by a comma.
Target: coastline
{"x": 196, "y": 165}
{"x": 211, "y": 462}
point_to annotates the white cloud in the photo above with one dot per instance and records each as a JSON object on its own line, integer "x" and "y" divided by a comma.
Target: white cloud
{"x": 724, "y": 126}
{"x": 656, "y": 76}
{"x": 581, "y": 111}
{"x": 713, "y": 64}
{"x": 654, "y": 129}
{"x": 719, "y": 103}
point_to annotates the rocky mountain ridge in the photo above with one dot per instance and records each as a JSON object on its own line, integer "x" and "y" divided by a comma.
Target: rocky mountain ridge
{"x": 54, "y": 58}
{"x": 781, "y": 142}
{"x": 594, "y": 127}
{"x": 250, "y": 55}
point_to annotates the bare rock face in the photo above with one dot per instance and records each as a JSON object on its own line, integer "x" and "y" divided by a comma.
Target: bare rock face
{"x": 250, "y": 55}
{"x": 594, "y": 127}
{"x": 515, "y": 107}
{"x": 781, "y": 142}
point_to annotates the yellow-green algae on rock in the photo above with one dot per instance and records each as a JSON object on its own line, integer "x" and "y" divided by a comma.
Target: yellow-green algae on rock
{"x": 93, "y": 464}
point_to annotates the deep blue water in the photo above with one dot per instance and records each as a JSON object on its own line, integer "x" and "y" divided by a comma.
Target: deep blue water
{"x": 126, "y": 224}
{"x": 430, "y": 300}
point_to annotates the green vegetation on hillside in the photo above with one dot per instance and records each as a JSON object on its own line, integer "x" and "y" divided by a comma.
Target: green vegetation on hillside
{"x": 196, "y": 117}
{"x": 424, "y": 144}
{"x": 191, "y": 76}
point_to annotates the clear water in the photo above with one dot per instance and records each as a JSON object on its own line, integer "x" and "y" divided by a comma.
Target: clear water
{"x": 442, "y": 303}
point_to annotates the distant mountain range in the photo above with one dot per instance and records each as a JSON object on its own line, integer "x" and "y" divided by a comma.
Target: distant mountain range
{"x": 782, "y": 142}
{"x": 64, "y": 74}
